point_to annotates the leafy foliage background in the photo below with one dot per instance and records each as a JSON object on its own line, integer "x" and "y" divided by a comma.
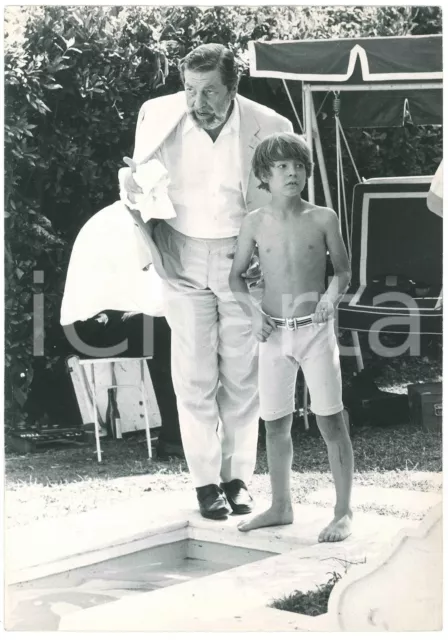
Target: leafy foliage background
{"x": 75, "y": 78}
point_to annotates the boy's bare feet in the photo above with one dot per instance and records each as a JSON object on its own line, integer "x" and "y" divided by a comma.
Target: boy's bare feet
{"x": 270, "y": 518}
{"x": 338, "y": 529}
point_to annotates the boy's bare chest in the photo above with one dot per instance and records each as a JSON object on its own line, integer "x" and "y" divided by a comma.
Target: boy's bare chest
{"x": 298, "y": 239}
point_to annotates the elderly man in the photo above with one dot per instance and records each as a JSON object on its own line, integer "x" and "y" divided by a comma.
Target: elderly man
{"x": 205, "y": 137}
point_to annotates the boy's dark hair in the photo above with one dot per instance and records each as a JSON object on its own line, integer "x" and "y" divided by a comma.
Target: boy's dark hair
{"x": 208, "y": 57}
{"x": 280, "y": 146}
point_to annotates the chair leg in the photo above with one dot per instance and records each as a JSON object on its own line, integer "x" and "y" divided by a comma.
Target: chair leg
{"x": 145, "y": 407}
{"x": 358, "y": 352}
{"x": 95, "y": 414}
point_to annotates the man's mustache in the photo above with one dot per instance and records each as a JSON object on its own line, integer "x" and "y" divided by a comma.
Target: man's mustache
{"x": 210, "y": 118}
{"x": 203, "y": 113}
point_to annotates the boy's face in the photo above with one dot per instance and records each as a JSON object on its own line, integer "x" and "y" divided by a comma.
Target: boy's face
{"x": 287, "y": 178}
{"x": 208, "y": 99}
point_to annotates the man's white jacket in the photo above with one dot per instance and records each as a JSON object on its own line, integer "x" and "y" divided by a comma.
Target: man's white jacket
{"x": 158, "y": 118}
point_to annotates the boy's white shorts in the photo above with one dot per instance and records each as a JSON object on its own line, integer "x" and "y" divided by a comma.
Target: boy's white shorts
{"x": 312, "y": 347}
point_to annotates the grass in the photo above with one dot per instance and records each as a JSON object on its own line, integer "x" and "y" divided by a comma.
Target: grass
{"x": 309, "y": 603}
{"x": 60, "y": 482}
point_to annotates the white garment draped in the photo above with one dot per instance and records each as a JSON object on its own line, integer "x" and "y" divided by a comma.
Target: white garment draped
{"x": 110, "y": 256}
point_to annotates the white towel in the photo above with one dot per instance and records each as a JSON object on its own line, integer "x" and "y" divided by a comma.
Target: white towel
{"x": 154, "y": 202}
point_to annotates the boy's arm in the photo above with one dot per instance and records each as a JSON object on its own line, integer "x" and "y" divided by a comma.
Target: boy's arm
{"x": 341, "y": 266}
{"x": 241, "y": 261}
{"x": 262, "y": 324}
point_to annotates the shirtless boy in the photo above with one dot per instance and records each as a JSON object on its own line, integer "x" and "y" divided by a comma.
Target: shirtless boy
{"x": 295, "y": 324}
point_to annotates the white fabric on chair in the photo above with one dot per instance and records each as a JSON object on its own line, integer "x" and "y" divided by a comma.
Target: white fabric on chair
{"x": 106, "y": 269}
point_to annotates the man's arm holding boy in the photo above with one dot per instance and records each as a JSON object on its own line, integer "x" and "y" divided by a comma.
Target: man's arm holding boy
{"x": 341, "y": 265}
{"x": 262, "y": 324}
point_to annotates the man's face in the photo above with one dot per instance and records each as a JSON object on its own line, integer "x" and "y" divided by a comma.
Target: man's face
{"x": 287, "y": 177}
{"x": 208, "y": 99}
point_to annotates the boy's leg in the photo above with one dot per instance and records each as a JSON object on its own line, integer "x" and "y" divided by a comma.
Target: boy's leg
{"x": 279, "y": 454}
{"x": 277, "y": 375}
{"x": 322, "y": 372}
{"x": 340, "y": 456}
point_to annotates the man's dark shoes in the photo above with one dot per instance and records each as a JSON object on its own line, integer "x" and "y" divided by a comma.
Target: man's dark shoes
{"x": 212, "y": 502}
{"x": 166, "y": 450}
{"x": 238, "y": 496}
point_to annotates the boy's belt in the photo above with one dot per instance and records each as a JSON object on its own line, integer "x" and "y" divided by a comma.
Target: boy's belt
{"x": 292, "y": 323}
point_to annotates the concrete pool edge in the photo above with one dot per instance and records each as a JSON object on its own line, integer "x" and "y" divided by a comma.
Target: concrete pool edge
{"x": 239, "y": 599}
{"x": 41, "y": 548}
{"x": 53, "y": 545}
{"x": 301, "y": 562}
{"x": 140, "y": 522}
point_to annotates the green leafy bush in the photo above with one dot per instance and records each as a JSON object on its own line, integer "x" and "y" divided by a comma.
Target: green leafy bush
{"x": 74, "y": 81}
{"x": 75, "y": 78}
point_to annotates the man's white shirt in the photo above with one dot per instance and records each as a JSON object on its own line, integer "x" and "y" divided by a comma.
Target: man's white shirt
{"x": 205, "y": 178}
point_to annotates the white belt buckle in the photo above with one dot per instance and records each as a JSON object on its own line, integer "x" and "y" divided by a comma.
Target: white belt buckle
{"x": 291, "y": 324}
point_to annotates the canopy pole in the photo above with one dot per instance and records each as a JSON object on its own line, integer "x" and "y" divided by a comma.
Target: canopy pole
{"x": 338, "y": 167}
{"x": 349, "y": 152}
{"x": 293, "y": 105}
{"x": 321, "y": 161}
{"x": 350, "y": 230}
{"x": 308, "y": 97}
{"x": 342, "y": 200}
{"x": 308, "y": 117}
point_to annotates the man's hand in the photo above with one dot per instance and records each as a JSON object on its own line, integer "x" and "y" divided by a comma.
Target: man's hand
{"x": 253, "y": 275}
{"x": 262, "y": 325}
{"x": 323, "y": 311}
{"x": 131, "y": 187}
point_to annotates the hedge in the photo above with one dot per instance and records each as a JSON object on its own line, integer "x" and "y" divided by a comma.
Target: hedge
{"x": 75, "y": 78}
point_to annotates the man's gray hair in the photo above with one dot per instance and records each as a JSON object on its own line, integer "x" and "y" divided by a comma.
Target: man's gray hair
{"x": 208, "y": 57}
